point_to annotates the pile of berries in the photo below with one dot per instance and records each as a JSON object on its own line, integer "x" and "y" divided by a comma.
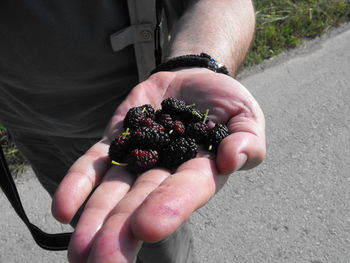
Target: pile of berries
{"x": 166, "y": 137}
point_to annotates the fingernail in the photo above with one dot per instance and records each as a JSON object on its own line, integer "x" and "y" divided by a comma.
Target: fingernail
{"x": 242, "y": 159}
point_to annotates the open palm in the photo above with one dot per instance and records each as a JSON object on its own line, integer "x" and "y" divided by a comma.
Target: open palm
{"x": 124, "y": 210}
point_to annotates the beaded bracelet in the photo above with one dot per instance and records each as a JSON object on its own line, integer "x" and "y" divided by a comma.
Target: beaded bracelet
{"x": 202, "y": 60}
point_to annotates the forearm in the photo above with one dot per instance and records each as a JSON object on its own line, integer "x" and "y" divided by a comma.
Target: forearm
{"x": 222, "y": 28}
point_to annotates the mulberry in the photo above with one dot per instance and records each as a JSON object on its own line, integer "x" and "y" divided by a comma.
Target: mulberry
{"x": 142, "y": 160}
{"x": 198, "y": 131}
{"x": 119, "y": 148}
{"x": 150, "y": 123}
{"x": 149, "y": 138}
{"x": 192, "y": 115}
{"x": 174, "y": 106}
{"x": 178, "y": 151}
{"x": 167, "y": 137}
{"x": 164, "y": 119}
{"x": 148, "y": 111}
{"x": 178, "y": 129}
{"x": 134, "y": 116}
{"x": 215, "y": 136}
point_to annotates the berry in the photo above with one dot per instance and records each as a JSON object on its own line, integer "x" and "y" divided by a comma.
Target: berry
{"x": 142, "y": 160}
{"x": 192, "y": 115}
{"x": 167, "y": 137}
{"x": 150, "y": 123}
{"x": 134, "y": 115}
{"x": 157, "y": 114}
{"x": 133, "y": 118}
{"x": 216, "y": 135}
{"x": 174, "y": 106}
{"x": 178, "y": 110}
{"x": 119, "y": 148}
{"x": 177, "y": 130}
{"x": 148, "y": 110}
{"x": 164, "y": 119}
{"x": 147, "y": 122}
{"x": 178, "y": 151}
{"x": 145, "y": 138}
{"x": 197, "y": 131}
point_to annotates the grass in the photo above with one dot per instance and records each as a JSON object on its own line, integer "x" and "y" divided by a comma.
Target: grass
{"x": 281, "y": 25}
{"x": 15, "y": 160}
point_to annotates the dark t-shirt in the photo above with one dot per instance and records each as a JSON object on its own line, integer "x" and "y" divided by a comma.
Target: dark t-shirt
{"x": 58, "y": 73}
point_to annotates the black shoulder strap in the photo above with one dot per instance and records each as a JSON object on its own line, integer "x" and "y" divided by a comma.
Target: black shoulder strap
{"x": 44, "y": 240}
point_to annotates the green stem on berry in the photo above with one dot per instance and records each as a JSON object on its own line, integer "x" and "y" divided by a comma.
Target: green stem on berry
{"x": 192, "y": 105}
{"x": 143, "y": 109}
{"x": 210, "y": 147}
{"x": 171, "y": 131}
{"x": 196, "y": 113}
{"x": 119, "y": 164}
{"x": 126, "y": 132}
{"x": 206, "y": 115}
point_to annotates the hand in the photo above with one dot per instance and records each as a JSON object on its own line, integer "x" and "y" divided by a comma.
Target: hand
{"x": 124, "y": 211}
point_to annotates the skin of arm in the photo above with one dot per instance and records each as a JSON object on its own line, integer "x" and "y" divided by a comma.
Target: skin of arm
{"x": 223, "y": 29}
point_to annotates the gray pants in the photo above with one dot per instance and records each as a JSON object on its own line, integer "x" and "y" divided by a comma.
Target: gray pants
{"x": 51, "y": 157}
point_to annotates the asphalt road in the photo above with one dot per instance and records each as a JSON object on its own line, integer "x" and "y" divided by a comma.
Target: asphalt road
{"x": 295, "y": 207}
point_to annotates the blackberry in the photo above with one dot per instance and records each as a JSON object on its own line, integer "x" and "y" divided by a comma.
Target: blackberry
{"x": 141, "y": 160}
{"x": 215, "y": 136}
{"x": 178, "y": 151}
{"x": 134, "y": 115}
{"x": 145, "y": 138}
{"x": 119, "y": 148}
{"x": 174, "y": 106}
{"x": 197, "y": 131}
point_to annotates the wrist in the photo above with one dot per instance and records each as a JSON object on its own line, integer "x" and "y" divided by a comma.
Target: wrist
{"x": 192, "y": 69}
{"x": 201, "y": 60}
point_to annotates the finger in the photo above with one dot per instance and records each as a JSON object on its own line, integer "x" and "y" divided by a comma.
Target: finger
{"x": 115, "y": 242}
{"x": 245, "y": 147}
{"x": 80, "y": 180}
{"x": 112, "y": 189}
{"x": 172, "y": 203}
{"x": 240, "y": 150}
